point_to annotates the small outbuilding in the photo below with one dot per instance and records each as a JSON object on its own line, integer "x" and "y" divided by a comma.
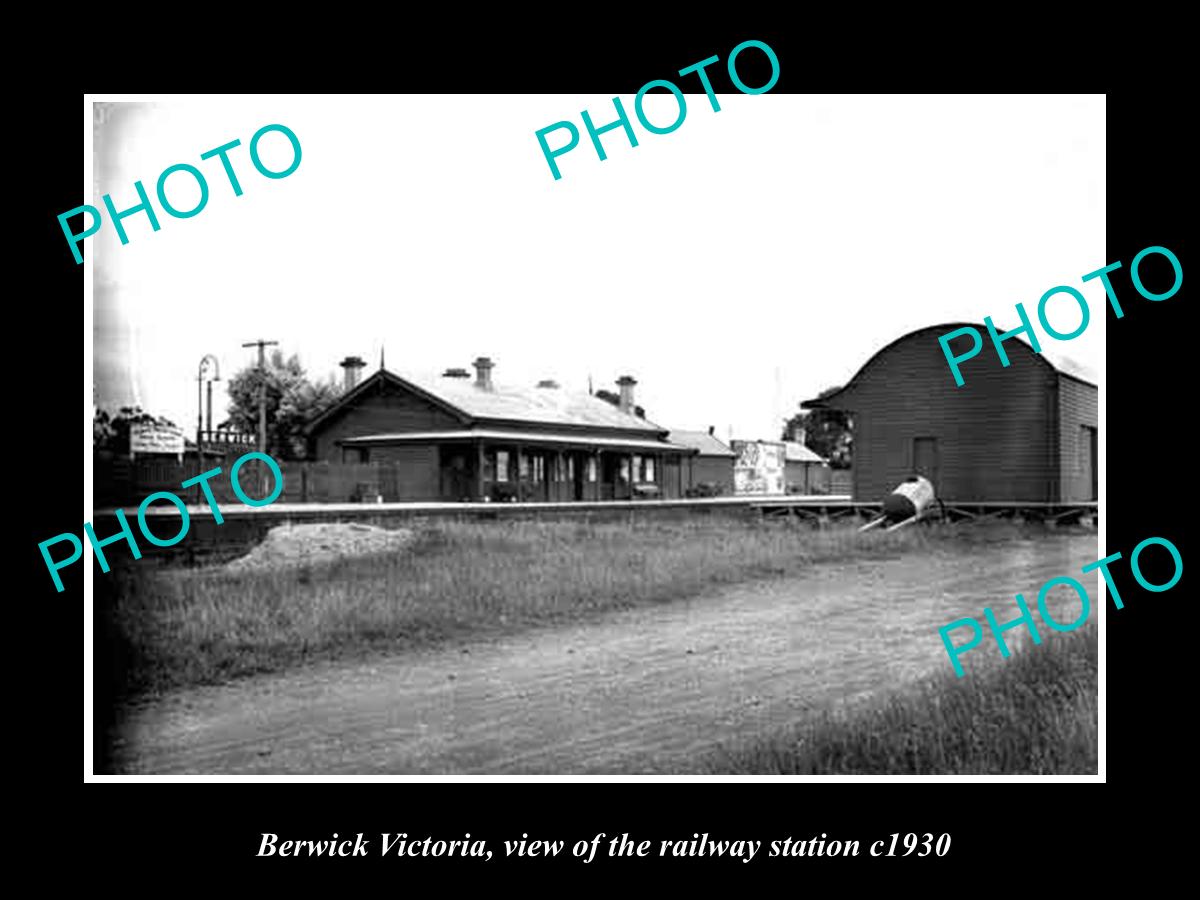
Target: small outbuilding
{"x": 805, "y": 471}
{"x": 1027, "y": 432}
{"x": 710, "y": 470}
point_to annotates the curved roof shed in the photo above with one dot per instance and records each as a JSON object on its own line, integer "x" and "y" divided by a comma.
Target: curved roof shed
{"x": 1023, "y": 433}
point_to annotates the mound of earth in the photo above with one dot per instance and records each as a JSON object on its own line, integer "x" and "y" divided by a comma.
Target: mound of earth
{"x": 301, "y": 545}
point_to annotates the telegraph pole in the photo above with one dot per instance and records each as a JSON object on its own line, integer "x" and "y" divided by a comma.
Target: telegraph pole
{"x": 262, "y": 389}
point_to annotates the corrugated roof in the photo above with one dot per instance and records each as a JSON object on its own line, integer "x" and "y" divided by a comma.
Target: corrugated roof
{"x": 797, "y": 452}
{"x": 516, "y": 437}
{"x": 539, "y": 406}
{"x": 555, "y": 406}
{"x": 1062, "y": 365}
{"x": 702, "y": 441}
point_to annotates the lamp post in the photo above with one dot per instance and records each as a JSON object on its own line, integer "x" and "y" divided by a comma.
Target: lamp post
{"x": 206, "y": 361}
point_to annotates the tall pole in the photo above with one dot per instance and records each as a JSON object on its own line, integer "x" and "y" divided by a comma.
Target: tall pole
{"x": 262, "y": 390}
{"x": 199, "y": 419}
{"x": 207, "y": 360}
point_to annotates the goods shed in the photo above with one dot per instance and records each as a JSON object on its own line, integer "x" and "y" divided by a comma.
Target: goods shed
{"x": 1027, "y": 432}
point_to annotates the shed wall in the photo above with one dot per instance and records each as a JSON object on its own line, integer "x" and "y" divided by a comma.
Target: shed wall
{"x": 716, "y": 470}
{"x": 807, "y": 478}
{"x": 994, "y": 438}
{"x": 414, "y": 473}
{"x": 1078, "y": 407}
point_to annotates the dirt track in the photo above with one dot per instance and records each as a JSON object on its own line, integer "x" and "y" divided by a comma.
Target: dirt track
{"x": 646, "y": 690}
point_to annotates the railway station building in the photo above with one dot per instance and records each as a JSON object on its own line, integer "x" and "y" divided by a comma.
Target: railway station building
{"x": 458, "y": 436}
{"x": 1023, "y": 433}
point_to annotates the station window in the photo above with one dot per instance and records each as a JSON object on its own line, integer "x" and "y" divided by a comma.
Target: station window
{"x": 501, "y": 465}
{"x": 591, "y": 469}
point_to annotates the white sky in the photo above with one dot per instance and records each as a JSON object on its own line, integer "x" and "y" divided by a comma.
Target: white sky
{"x": 735, "y": 267}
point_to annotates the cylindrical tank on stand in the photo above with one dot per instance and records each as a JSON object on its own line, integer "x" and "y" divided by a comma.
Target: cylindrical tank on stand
{"x": 911, "y": 498}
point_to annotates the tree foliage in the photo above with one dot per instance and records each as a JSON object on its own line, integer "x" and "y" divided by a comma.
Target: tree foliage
{"x": 292, "y": 400}
{"x": 827, "y": 432}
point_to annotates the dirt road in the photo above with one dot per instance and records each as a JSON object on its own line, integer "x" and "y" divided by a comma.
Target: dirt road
{"x": 647, "y": 690}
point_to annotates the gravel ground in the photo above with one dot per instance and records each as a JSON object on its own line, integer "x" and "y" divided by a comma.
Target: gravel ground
{"x": 649, "y": 690}
{"x": 300, "y": 545}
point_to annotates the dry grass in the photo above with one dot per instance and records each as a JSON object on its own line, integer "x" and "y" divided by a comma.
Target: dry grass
{"x": 457, "y": 580}
{"x": 1035, "y": 713}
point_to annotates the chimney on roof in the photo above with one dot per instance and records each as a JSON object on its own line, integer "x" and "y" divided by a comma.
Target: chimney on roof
{"x": 456, "y": 373}
{"x": 483, "y": 373}
{"x": 626, "y": 383}
{"x": 353, "y": 366}
{"x": 712, "y": 430}
{"x": 799, "y": 433}
{"x": 547, "y": 383}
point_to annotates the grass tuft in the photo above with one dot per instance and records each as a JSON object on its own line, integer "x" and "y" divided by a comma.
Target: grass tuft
{"x": 1034, "y": 714}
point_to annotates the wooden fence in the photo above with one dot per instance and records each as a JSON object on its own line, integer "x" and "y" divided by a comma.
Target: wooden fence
{"x": 122, "y": 482}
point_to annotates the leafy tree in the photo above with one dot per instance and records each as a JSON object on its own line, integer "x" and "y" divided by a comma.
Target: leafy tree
{"x": 110, "y": 432}
{"x": 827, "y": 432}
{"x": 292, "y": 400}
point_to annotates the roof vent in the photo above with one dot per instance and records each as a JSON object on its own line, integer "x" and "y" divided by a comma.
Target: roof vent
{"x": 456, "y": 373}
{"x": 547, "y": 383}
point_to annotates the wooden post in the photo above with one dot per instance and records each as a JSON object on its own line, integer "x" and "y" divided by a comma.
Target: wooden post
{"x": 479, "y": 469}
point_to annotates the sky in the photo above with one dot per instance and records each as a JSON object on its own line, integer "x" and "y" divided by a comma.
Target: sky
{"x": 735, "y": 267}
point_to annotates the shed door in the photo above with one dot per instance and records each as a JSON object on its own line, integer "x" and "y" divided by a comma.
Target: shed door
{"x": 925, "y": 460}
